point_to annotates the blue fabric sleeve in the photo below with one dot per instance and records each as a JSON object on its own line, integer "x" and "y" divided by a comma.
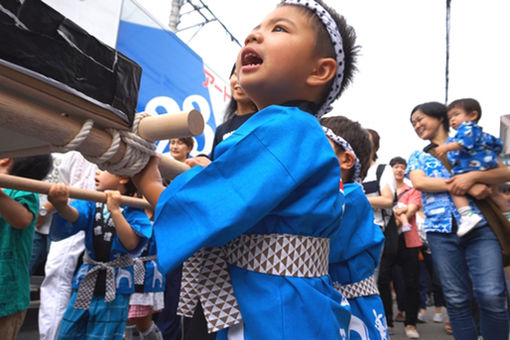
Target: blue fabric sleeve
{"x": 139, "y": 221}
{"x": 61, "y": 228}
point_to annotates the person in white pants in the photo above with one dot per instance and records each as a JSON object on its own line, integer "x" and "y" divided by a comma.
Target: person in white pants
{"x": 76, "y": 171}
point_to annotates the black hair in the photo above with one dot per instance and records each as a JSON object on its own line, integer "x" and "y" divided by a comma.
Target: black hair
{"x": 435, "y": 110}
{"x": 355, "y": 135}
{"x": 34, "y": 167}
{"x": 398, "y": 160}
{"x": 130, "y": 188}
{"x": 375, "y": 142}
{"x": 468, "y": 104}
{"x": 231, "y": 108}
{"x": 324, "y": 45}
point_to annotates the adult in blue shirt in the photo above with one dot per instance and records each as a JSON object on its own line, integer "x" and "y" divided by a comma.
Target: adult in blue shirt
{"x": 463, "y": 264}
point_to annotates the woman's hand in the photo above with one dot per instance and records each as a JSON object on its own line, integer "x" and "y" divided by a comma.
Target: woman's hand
{"x": 203, "y": 161}
{"x": 460, "y": 184}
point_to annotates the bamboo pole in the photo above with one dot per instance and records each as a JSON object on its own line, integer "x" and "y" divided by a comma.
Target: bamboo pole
{"x": 40, "y": 187}
{"x": 171, "y": 125}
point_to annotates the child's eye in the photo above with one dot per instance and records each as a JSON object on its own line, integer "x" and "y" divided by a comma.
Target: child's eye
{"x": 279, "y": 28}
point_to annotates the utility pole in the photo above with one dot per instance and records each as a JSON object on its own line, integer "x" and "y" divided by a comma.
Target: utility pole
{"x": 175, "y": 15}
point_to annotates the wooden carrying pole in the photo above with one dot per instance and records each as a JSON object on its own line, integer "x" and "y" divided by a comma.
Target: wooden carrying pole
{"x": 40, "y": 187}
{"x": 33, "y": 108}
{"x": 30, "y": 119}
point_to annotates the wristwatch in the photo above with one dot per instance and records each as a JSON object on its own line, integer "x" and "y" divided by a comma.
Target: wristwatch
{"x": 43, "y": 212}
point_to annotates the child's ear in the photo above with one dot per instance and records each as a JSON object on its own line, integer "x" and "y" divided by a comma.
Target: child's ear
{"x": 475, "y": 115}
{"x": 5, "y": 163}
{"x": 324, "y": 71}
{"x": 123, "y": 180}
{"x": 347, "y": 160}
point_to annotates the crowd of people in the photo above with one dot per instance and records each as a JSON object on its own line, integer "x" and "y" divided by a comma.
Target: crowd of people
{"x": 292, "y": 228}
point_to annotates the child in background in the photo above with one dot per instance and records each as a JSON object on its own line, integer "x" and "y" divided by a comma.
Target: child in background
{"x": 18, "y": 211}
{"x": 148, "y": 297}
{"x": 356, "y": 246}
{"x": 273, "y": 183}
{"x": 101, "y": 288}
{"x": 471, "y": 149}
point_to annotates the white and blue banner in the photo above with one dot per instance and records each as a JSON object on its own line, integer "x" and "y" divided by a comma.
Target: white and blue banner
{"x": 174, "y": 78}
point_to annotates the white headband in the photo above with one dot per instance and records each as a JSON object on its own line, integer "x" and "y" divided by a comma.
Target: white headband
{"x": 336, "y": 40}
{"x": 347, "y": 147}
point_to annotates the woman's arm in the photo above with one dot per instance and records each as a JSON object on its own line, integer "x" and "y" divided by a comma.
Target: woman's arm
{"x": 383, "y": 201}
{"x": 429, "y": 184}
{"x": 460, "y": 184}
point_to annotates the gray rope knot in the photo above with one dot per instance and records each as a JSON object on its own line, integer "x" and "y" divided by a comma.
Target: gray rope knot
{"x": 138, "y": 150}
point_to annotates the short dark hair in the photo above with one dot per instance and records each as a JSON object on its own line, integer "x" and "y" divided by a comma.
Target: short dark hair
{"x": 435, "y": 110}
{"x": 398, "y": 160}
{"x": 375, "y": 142}
{"x": 189, "y": 141}
{"x": 355, "y": 135}
{"x": 34, "y": 167}
{"x": 468, "y": 104}
{"x": 130, "y": 188}
{"x": 324, "y": 45}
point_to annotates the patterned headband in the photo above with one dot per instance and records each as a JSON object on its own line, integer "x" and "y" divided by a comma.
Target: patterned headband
{"x": 336, "y": 40}
{"x": 347, "y": 147}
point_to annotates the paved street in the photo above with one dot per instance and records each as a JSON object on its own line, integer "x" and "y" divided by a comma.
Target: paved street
{"x": 428, "y": 331}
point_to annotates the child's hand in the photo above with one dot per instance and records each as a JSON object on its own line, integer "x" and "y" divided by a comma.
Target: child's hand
{"x": 441, "y": 150}
{"x": 58, "y": 195}
{"x": 112, "y": 200}
{"x": 400, "y": 211}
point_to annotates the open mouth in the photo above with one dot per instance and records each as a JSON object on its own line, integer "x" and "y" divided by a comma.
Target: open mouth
{"x": 250, "y": 58}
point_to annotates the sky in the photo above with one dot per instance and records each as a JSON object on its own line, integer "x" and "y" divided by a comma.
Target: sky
{"x": 401, "y": 62}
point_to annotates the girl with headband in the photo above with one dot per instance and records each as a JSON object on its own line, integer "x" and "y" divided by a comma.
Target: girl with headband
{"x": 269, "y": 201}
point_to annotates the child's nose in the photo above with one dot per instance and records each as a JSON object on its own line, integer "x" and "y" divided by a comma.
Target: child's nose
{"x": 253, "y": 36}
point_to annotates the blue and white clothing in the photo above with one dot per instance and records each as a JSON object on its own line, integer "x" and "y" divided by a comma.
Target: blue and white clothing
{"x": 480, "y": 150}
{"x": 136, "y": 218}
{"x": 438, "y": 207}
{"x": 154, "y": 280}
{"x": 354, "y": 255}
{"x": 264, "y": 180}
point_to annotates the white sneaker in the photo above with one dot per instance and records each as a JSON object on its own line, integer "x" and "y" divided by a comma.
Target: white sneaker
{"x": 467, "y": 223}
{"x": 437, "y": 317}
{"x": 411, "y": 332}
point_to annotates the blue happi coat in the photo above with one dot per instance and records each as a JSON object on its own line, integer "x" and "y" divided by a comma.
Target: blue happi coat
{"x": 137, "y": 219}
{"x": 276, "y": 174}
{"x": 354, "y": 255}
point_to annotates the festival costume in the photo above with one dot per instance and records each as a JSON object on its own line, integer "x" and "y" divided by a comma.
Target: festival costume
{"x": 354, "y": 255}
{"x": 148, "y": 297}
{"x": 257, "y": 188}
{"x": 102, "y": 285}
{"x": 15, "y": 251}
{"x": 480, "y": 150}
{"x": 72, "y": 169}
